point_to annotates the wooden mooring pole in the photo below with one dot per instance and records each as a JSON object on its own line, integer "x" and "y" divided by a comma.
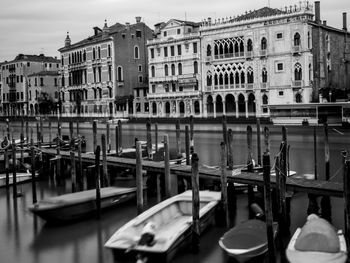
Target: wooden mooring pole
{"x": 178, "y": 141}
{"x": 6, "y": 157}
{"x": 14, "y": 176}
{"x": 250, "y": 165}
{"x": 8, "y": 128}
{"x": 108, "y": 137}
{"x": 80, "y": 168}
{"x": 267, "y": 139}
{"x": 117, "y": 146}
{"x": 224, "y": 183}
{"x": 104, "y": 179}
{"x": 149, "y": 140}
{"x": 120, "y": 134}
{"x": 73, "y": 171}
{"x": 97, "y": 181}
{"x": 268, "y": 208}
{"x": 167, "y": 167}
{"x": 94, "y": 133}
{"x": 258, "y": 140}
{"x": 195, "y": 203}
{"x": 139, "y": 178}
{"x": 156, "y": 136}
{"x": 224, "y": 128}
{"x": 346, "y": 183}
{"x": 187, "y": 145}
{"x": 326, "y": 210}
{"x": 50, "y": 132}
{"x": 230, "y": 149}
{"x": 191, "y": 135}
{"x": 32, "y": 152}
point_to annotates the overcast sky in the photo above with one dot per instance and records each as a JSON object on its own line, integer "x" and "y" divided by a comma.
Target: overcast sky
{"x": 40, "y": 26}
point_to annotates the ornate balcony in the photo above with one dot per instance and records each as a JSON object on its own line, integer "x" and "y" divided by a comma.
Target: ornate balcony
{"x": 296, "y": 49}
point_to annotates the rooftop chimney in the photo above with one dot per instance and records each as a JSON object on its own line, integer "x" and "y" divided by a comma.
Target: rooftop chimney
{"x": 138, "y": 19}
{"x": 317, "y": 12}
{"x": 209, "y": 20}
{"x": 127, "y": 24}
{"x": 344, "y": 22}
{"x": 97, "y": 30}
{"x": 67, "y": 41}
{"x": 324, "y": 22}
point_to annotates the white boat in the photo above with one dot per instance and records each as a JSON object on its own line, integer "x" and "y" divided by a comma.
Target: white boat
{"x": 21, "y": 177}
{"x": 173, "y": 221}
{"x": 317, "y": 242}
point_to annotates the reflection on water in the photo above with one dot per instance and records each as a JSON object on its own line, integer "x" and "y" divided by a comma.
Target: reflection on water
{"x": 26, "y": 238}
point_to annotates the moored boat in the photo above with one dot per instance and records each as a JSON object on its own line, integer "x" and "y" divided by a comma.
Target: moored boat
{"x": 247, "y": 240}
{"x": 79, "y": 205}
{"x": 317, "y": 242}
{"x": 172, "y": 223}
{"x": 21, "y": 177}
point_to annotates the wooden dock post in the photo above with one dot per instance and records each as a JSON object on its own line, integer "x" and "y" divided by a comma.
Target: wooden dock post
{"x": 27, "y": 132}
{"x": 120, "y": 134}
{"x": 22, "y": 126}
{"x": 187, "y": 145}
{"x": 117, "y": 146}
{"x": 41, "y": 130}
{"x": 267, "y": 139}
{"x": 250, "y": 165}
{"x": 108, "y": 137}
{"x": 97, "y": 181}
{"x": 14, "y": 176}
{"x": 78, "y": 126}
{"x": 149, "y": 140}
{"x": 22, "y": 145}
{"x": 32, "y": 152}
{"x": 73, "y": 171}
{"x": 139, "y": 178}
{"x": 224, "y": 183}
{"x": 80, "y": 168}
{"x": 6, "y": 157}
{"x": 195, "y": 203}
{"x": 37, "y": 133}
{"x": 167, "y": 167}
{"x": 159, "y": 195}
{"x": 50, "y": 132}
{"x": 178, "y": 141}
{"x": 268, "y": 208}
{"x": 326, "y": 210}
{"x": 346, "y": 183}
{"x": 104, "y": 179}
{"x": 315, "y": 152}
{"x": 224, "y": 129}
{"x": 258, "y": 140}
{"x": 191, "y": 135}
{"x": 230, "y": 149}
{"x": 94, "y": 133}
{"x": 8, "y": 128}
{"x": 71, "y": 131}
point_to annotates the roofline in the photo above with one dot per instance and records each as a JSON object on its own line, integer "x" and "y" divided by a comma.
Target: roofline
{"x": 327, "y": 27}
{"x": 76, "y": 45}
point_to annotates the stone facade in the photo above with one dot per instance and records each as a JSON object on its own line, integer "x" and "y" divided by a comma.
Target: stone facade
{"x": 100, "y": 72}
{"x": 15, "y": 88}
{"x": 174, "y": 70}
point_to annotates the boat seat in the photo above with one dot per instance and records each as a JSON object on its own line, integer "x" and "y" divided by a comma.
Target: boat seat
{"x": 165, "y": 232}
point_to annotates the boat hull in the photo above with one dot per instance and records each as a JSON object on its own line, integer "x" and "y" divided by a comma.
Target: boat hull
{"x": 80, "y": 210}
{"x": 20, "y": 178}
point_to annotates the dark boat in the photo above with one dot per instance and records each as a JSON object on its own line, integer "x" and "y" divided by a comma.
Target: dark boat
{"x": 79, "y": 205}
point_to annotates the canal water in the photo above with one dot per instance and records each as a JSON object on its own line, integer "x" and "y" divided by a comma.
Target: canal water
{"x": 25, "y": 238}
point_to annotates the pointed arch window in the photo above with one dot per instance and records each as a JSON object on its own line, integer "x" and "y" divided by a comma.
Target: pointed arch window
{"x": 180, "y": 68}
{"x": 250, "y": 45}
{"x": 265, "y": 100}
{"x": 297, "y": 72}
{"x": 296, "y": 39}
{"x": 172, "y": 69}
{"x": 298, "y": 98}
{"x": 195, "y": 67}
{"x": 166, "y": 70}
{"x": 93, "y": 54}
{"x": 209, "y": 78}
{"x": 264, "y": 75}
{"x": 250, "y": 75}
{"x": 208, "y": 50}
{"x": 263, "y": 43}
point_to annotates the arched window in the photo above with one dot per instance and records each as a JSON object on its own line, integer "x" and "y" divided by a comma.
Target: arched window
{"x": 153, "y": 73}
{"x": 298, "y": 98}
{"x": 250, "y": 75}
{"x": 250, "y": 45}
{"x": 297, "y": 72}
{"x": 172, "y": 69}
{"x": 195, "y": 67}
{"x": 265, "y": 99}
{"x": 209, "y": 78}
{"x": 263, "y": 43}
{"x": 296, "y": 39}
{"x": 166, "y": 70}
{"x": 120, "y": 76}
{"x": 136, "y": 52}
{"x": 264, "y": 75}
{"x": 180, "y": 69}
{"x": 209, "y": 50}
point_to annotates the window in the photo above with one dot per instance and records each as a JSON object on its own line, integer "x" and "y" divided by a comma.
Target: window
{"x": 328, "y": 44}
{"x": 109, "y": 50}
{"x": 132, "y": 35}
{"x": 308, "y": 40}
{"x": 208, "y": 50}
{"x": 140, "y": 79}
{"x": 173, "y": 87}
{"x": 195, "y": 67}
{"x": 123, "y": 36}
{"x": 99, "y": 74}
{"x": 263, "y": 43}
{"x": 152, "y": 53}
{"x": 94, "y": 72}
{"x": 93, "y": 54}
{"x": 179, "y": 50}
{"x": 298, "y": 98}
{"x": 55, "y": 80}
{"x": 35, "y": 82}
{"x": 173, "y": 69}
{"x": 17, "y": 79}
{"x": 296, "y": 39}
{"x": 279, "y": 35}
{"x": 280, "y": 93}
{"x": 166, "y": 87}
{"x": 21, "y": 78}
{"x": 30, "y": 95}
{"x": 279, "y": 66}
{"x": 22, "y": 96}
{"x": 120, "y": 74}
{"x": 264, "y": 75}
{"x": 139, "y": 68}
{"x": 165, "y": 51}
{"x": 265, "y": 100}
{"x": 165, "y": 33}
{"x": 195, "y": 48}
{"x": 99, "y": 52}
{"x": 250, "y": 75}
{"x": 297, "y": 72}
{"x": 172, "y": 51}
{"x": 136, "y": 52}
{"x": 166, "y": 70}
{"x": 110, "y": 72}
{"x": 178, "y": 31}
{"x": 138, "y": 33}
{"x": 153, "y": 73}
{"x": 180, "y": 69}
